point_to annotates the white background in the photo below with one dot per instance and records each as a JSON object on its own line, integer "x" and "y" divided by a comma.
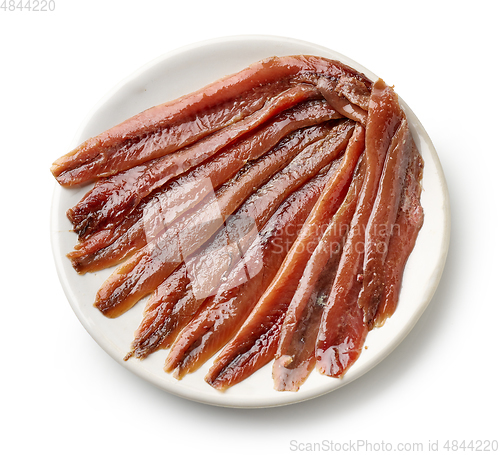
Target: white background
{"x": 60, "y": 393}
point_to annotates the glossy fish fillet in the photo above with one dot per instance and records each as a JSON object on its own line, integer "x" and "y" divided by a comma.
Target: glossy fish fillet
{"x": 382, "y": 221}
{"x": 267, "y": 215}
{"x": 341, "y": 334}
{"x": 295, "y": 357}
{"x": 192, "y": 284}
{"x": 221, "y": 315}
{"x": 115, "y": 197}
{"x": 109, "y": 246}
{"x": 256, "y": 342}
{"x": 170, "y": 126}
{"x": 409, "y": 220}
{"x": 144, "y": 271}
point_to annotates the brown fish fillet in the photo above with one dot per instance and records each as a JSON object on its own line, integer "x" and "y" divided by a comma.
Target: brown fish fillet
{"x": 147, "y": 268}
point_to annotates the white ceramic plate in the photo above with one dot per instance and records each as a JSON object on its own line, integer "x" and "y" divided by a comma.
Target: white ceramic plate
{"x": 181, "y": 72}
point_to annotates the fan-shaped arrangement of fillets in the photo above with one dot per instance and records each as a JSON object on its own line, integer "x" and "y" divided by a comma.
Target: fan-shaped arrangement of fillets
{"x": 268, "y": 217}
